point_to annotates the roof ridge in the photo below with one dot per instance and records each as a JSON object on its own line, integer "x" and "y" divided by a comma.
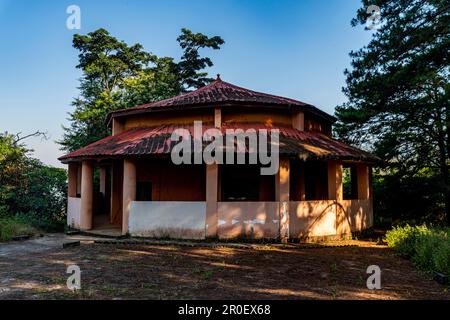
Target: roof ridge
{"x": 220, "y": 92}
{"x": 184, "y": 94}
{"x": 204, "y": 88}
{"x": 260, "y": 93}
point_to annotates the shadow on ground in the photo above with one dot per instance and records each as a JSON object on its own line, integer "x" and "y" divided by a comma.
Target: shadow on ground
{"x": 175, "y": 272}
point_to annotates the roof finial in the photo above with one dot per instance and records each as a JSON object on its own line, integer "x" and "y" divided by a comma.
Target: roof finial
{"x": 218, "y": 77}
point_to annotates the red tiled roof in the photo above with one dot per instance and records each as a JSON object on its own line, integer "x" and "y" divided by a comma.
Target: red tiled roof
{"x": 221, "y": 93}
{"x": 156, "y": 141}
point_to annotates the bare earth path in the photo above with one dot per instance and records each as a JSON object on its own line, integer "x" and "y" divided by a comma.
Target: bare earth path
{"x": 36, "y": 269}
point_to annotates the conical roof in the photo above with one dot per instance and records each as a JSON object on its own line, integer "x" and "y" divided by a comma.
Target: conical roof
{"x": 223, "y": 94}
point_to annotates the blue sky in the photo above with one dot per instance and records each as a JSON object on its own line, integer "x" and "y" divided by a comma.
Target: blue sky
{"x": 293, "y": 48}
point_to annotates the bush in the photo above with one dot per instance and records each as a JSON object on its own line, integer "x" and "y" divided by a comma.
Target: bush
{"x": 404, "y": 239}
{"x": 43, "y": 202}
{"x": 424, "y": 251}
{"x": 29, "y": 189}
{"x": 428, "y": 248}
{"x": 441, "y": 258}
{"x": 14, "y": 226}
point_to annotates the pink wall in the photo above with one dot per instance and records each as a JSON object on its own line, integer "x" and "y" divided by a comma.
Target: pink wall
{"x": 328, "y": 217}
{"x": 248, "y": 219}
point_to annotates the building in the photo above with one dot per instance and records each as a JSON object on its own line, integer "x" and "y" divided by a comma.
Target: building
{"x": 142, "y": 192}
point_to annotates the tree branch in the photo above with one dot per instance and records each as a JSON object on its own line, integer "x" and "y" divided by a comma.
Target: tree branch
{"x": 18, "y": 138}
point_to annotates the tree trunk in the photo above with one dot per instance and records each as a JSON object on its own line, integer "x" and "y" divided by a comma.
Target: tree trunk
{"x": 446, "y": 169}
{"x": 443, "y": 148}
{"x": 445, "y": 177}
{"x": 447, "y": 207}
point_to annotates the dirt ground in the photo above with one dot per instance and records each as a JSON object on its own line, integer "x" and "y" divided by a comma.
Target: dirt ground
{"x": 177, "y": 272}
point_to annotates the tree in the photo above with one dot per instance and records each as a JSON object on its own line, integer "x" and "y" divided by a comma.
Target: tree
{"x": 12, "y": 163}
{"x": 28, "y": 188}
{"x": 155, "y": 83}
{"x": 105, "y": 63}
{"x": 117, "y": 76}
{"x": 191, "y": 62}
{"x": 398, "y": 90}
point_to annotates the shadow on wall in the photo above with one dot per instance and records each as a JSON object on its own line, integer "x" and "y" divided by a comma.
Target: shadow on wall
{"x": 248, "y": 220}
{"x": 328, "y": 218}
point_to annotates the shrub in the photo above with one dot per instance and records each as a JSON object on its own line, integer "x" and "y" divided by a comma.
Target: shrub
{"x": 29, "y": 188}
{"x": 424, "y": 251}
{"x": 428, "y": 248}
{"x": 14, "y": 226}
{"x": 404, "y": 239}
{"x": 441, "y": 258}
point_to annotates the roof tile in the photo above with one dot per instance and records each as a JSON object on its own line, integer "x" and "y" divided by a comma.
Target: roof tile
{"x": 220, "y": 92}
{"x": 156, "y": 141}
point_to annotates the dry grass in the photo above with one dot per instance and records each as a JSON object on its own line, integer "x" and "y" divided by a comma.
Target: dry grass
{"x": 175, "y": 272}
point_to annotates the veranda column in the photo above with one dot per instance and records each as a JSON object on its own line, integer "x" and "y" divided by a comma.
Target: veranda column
{"x": 129, "y": 191}
{"x": 72, "y": 177}
{"x": 336, "y": 193}
{"x": 282, "y": 194}
{"x": 339, "y": 182}
{"x": 212, "y": 182}
{"x": 87, "y": 195}
{"x": 363, "y": 181}
{"x": 301, "y": 178}
{"x": 102, "y": 177}
{"x": 116, "y": 192}
{"x": 363, "y": 194}
{"x": 79, "y": 179}
{"x": 335, "y": 187}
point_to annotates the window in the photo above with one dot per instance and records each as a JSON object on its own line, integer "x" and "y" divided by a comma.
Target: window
{"x": 240, "y": 183}
{"x": 144, "y": 191}
{"x": 349, "y": 181}
{"x": 297, "y": 180}
{"x": 316, "y": 180}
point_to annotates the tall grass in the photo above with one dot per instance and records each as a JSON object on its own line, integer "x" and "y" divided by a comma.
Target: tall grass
{"x": 427, "y": 247}
{"x": 14, "y": 226}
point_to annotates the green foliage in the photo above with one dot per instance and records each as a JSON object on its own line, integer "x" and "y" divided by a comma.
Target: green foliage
{"x": 152, "y": 84}
{"x": 44, "y": 201}
{"x": 400, "y": 197}
{"x": 14, "y": 226}
{"x": 425, "y": 250}
{"x": 398, "y": 92}
{"x": 118, "y": 76}
{"x": 428, "y": 248}
{"x": 28, "y": 188}
{"x": 105, "y": 63}
{"x": 191, "y": 62}
{"x": 441, "y": 257}
{"x": 405, "y": 239}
